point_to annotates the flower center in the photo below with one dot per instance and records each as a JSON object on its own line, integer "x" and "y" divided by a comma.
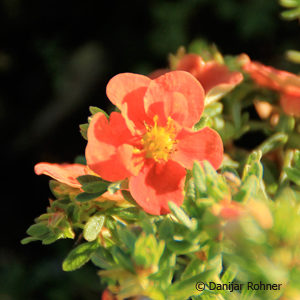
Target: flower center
{"x": 158, "y": 141}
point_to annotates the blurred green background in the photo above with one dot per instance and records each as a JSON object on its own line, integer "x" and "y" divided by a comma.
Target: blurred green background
{"x": 55, "y": 60}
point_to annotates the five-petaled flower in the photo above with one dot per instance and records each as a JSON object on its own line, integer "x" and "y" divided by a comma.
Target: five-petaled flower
{"x": 286, "y": 83}
{"x": 216, "y": 79}
{"x": 152, "y": 142}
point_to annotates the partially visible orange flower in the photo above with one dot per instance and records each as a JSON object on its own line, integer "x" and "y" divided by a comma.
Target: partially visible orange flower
{"x": 152, "y": 142}
{"x": 216, "y": 79}
{"x": 228, "y": 210}
{"x": 286, "y": 83}
{"x": 68, "y": 173}
{"x": 64, "y": 173}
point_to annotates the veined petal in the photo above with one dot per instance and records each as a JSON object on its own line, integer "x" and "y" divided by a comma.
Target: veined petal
{"x": 65, "y": 173}
{"x": 205, "y": 144}
{"x": 177, "y": 95}
{"x": 126, "y": 83}
{"x": 156, "y": 185}
{"x": 127, "y": 91}
{"x": 109, "y": 152}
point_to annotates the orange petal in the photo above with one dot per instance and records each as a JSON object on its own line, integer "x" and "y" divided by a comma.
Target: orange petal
{"x": 191, "y": 63}
{"x": 205, "y": 144}
{"x": 156, "y": 185}
{"x": 290, "y": 104}
{"x": 127, "y": 92}
{"x": 177, "y": 95}
{"x": 213, "y": 75}
{"x": 107, "y": 295}
{"x": 65, "y": 173}
{"x": 108, "y": 152}
{"x": 279, "y": 80}
{"x": 121, "y": 85}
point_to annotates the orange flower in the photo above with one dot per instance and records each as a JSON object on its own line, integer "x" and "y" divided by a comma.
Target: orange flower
{"x": 68, "y": 173}
{"x": 152, "y": 141}
{"x": 287, "y": 84}
{"x": 215, "y": 78}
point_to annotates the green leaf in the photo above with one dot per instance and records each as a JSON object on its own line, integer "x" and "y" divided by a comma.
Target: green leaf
{"x": 127, "y": 196}
{"x": 293, "y": 56}
{"x": 88, "y": 179}
{"x": 59, "y": 189}
{"x": 147, "y": 251}
{"x": 122, "y": 258}
{"x": 146, "y": 224}
{"x": 102, "y": 258}
{"x": 51, "y": 237}
{"x": 291, "y": 14}
{"x": 293, "y": 174}
{"x": 37, "y": 230}
{"x": 199, "y": 179}
{"x": 273, "y": 142}
{"x": 191, "y": 190}
{"x": 127, "y": 237}
{"x": 253, "y": 166}
{"x": 94, "y": 110}
{"x": 93, "y": 227}
{"x": 180, "y": 214}
{"x": 83, "y": 130}
{"x": 166, "y": 230}
{"x": 183, "y": 288}
{"x": 229, "y": 274}
{"x": 213, "y": 109}
{"x": 202, "y": 123}
{"x": 95, "y": 187}
{"x": 84, "y": 197}
{"x": 29, "y": 239}
{"x": 79, "y": 256}
{"x": 130, "y": 213}
{"x": 182, "y": 247}
{"x": 289, "y": 3}
{"x": 209, "y": 170}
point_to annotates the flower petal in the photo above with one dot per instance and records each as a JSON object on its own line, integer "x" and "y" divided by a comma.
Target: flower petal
{"x": 205, "y": 144}
{"x": 65, "y": 173}
{"x": 127, "y": 91}
{"x": 109, "y": 152}
{"x": 290, "y": 104}
{"x": 214, "y": 75}
{"x": 177, "y": 95}
{"x": 126, "y": 83}
{"x": 107, "y": 295}
{"x": 191, "y": 63}
{"x": 156, "y": 185}
{"x": 279, "y": 80}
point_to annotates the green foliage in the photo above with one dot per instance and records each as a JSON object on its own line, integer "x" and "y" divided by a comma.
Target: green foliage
{"x": 79, "y": 256}
{"x": 293, "y": 11}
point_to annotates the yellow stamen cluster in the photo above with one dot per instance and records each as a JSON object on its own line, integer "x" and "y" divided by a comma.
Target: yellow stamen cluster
{"x": 158, "y": 141}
